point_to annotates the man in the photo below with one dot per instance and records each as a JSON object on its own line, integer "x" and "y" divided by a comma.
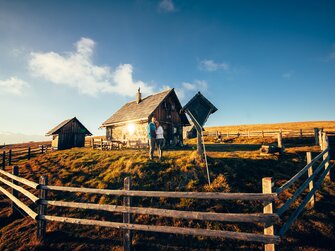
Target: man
{"x": 152, "y": 137}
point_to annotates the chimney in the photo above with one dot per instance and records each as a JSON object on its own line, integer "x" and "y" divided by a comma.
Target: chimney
{"x": 138, "y": 96}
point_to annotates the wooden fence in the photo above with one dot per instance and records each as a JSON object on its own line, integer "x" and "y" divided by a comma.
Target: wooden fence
{"x": 42, "y": 201}
{"x": 11, "y": 156}
{"x": 317, "y": 170}
{"x": 268, "y": 133}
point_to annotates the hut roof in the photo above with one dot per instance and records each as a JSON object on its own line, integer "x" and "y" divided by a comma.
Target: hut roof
{"x": 56, "y": 129}
{"x": 136, "y": 111}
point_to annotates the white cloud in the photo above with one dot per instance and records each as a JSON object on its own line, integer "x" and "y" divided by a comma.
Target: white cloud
{"x": 166, "y": 6}
{"x": 76, "y": 69}
{"x": 288, "y": 75}
{"x": 13, "y": 85}
{"x": 210, "y": 65}
{"x": 200, "y": 85}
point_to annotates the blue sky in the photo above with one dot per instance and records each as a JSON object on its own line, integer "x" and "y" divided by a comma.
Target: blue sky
{"x": 257, "y": 61}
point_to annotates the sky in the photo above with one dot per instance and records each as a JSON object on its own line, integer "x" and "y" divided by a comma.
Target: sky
{"x": 256, "y": 61}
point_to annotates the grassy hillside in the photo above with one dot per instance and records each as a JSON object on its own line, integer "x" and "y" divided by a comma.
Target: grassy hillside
{"x": 309, "y": 125}
{"x": 233, "y": 168}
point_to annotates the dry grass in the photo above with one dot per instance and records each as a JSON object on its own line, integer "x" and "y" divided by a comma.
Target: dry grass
{"x": 234, "y": 168}
{"x": 327, "y": 125}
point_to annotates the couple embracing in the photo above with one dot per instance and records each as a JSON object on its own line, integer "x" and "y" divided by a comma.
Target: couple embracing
{"x": 156, "y": 137}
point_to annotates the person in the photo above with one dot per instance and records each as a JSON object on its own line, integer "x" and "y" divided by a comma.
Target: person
{"x": 159, "y": 139}
{"x": 152, "y": 137}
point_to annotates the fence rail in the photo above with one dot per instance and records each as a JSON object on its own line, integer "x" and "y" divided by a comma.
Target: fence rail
{"x": 11, "y": 156}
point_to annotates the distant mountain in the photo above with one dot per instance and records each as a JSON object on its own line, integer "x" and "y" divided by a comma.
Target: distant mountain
{"x": 13, "y": 138}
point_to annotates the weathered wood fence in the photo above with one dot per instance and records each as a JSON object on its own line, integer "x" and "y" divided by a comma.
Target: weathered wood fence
{"x": 268, "y": 133}
{"x": 42, "y": 201}
{"x": 11, "y": 156}
{"x": 316, "y": 169}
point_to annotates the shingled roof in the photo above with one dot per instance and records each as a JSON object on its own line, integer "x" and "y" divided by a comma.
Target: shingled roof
{"x": 136, "y": 111}
{"x": 56, "y": 129}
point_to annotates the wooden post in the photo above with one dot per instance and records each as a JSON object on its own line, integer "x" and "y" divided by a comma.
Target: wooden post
{"x": 15, "y": 171}
{"x": 262, "y": 134}
{"x": 325, "y": 146}
{"x": 300, "y": 135}
{"x": 228, "y": 134}
{"x": 280, "y": 139}
{"x": 248, "y": 133}
{"x": 101, "y": 144}
{"x": 92, "y": 143}
{"x": 42, "y": 209}
{"x": 127, "y": 236}
{"x": 310, "y": 173}
{"x": 10, "y": 157}
{"x": 320, "y": 138}
{"x": 268, "y": 229}
{"x": 42, "y": 149}
{"x": 29, "y": 152}
{"x": 3, "y": 160}
{"x": 200, "y": 149}
{"x": 316, "y": 136}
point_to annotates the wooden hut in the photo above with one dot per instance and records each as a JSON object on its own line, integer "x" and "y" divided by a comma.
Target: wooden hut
{"x": 70, "y": 133}
{"x": 129, "y": 123}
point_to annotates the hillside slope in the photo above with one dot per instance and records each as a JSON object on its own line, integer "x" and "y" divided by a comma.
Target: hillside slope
{"x": 234, "y": 168}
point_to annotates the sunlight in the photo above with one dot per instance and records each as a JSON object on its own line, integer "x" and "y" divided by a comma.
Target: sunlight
{"x": 131, "y": 128}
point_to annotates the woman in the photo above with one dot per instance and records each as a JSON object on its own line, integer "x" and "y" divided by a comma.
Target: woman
{"x": 159, "y": 138}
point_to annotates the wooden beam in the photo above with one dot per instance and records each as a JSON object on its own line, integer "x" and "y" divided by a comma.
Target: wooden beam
{"x": 167, "y": 229}
{"x": 299, "y": 174}
{"x": 15, "y": 187}
{"x": 297, "y": 212}
{"x": 15, "y": 193}
{"x": 191, "y": 195}
{"x": 21, "y": 205}
{"x": 268, "y": 228}
{"x": 192, "y": 215}
{"x": 21, "y": 180}
{"x": 300, "y": 189}
{"x": 127, "y": 235}
{"x": 310, "y": 173}
{"x": 42, "y": 210}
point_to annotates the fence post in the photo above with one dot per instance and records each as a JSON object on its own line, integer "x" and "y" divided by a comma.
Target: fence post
{"x": 268, "y": 229}
{"x": 42, "y": 149}
{"x": 320, "y": 138}
{"x": 248, "y": 133}
{"x": 3, "y": 160}
{"x": 324, "y": 147}
{"x": 316, "y": 136}
{"x": 280, "y": 139}
{"x": 310, "y": 173}
{"x": 262, "y": 134}
{"x": 92, "y": 143}
{"x": 42, "y": 209}
{"x": 127, "y": 236}
{"x": 15, "y": 171}
{"x": 10, "y": 157}
{"x": 300, "y": 135}
{"x": 28, "y": 152}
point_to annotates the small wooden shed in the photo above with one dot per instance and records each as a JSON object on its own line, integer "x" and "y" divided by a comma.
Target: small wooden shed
{"x": 70, "y": 133}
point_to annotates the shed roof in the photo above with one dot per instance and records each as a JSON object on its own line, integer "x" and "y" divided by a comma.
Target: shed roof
{"x": 136, "y": 111}
{"x": 56, "y": 129}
